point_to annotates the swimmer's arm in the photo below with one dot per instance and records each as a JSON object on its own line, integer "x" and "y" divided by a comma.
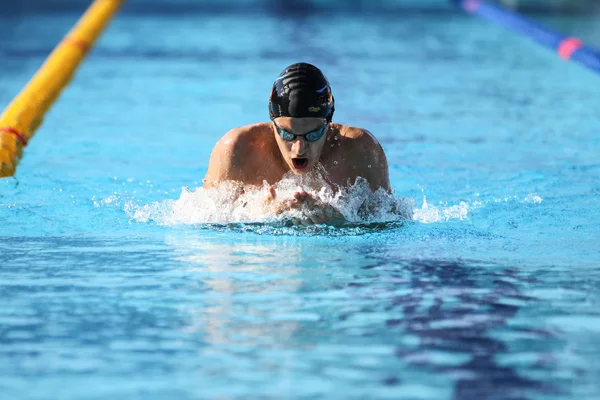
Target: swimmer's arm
{"x": 225, "y": 161}
{"x": 375, "y": 166}
{"x": 379, "y": 178}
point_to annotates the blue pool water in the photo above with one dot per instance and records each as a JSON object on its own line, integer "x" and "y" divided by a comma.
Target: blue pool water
{"x": 119, "y": 278}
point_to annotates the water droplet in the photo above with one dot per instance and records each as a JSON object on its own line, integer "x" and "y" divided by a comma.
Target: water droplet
{"x": 335, "y": 137}
{"x": 369, "y": 166}
{"x": 332, "y": 145}
{"x": 335, "y": 163}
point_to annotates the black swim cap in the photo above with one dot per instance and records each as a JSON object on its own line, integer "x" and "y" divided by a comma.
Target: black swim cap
{"x": 301, "y": 91}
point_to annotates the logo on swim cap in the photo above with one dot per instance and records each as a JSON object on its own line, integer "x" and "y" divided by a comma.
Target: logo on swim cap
{"x": 314, "y": 109}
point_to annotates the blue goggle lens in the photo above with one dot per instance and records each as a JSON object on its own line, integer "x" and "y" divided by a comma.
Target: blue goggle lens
{"x": 312, "y": 136}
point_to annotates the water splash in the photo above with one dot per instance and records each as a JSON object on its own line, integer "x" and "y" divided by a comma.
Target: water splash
{"x": 533, "y": 198}
{"x": 445, "y": 212}
{"x": 228, "y": 205}
{"x": 232, "y": 208}
{"x": 428, "y": 214}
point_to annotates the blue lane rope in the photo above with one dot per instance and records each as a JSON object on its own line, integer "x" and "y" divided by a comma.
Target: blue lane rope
{"x": 567, "y": 47}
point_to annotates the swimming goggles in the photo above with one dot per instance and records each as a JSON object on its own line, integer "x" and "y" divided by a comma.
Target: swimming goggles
{"x": 311, "y": 136}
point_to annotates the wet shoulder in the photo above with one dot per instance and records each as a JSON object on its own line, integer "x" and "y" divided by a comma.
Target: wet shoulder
{"x": 359, "y": 137}
{"x": 245, "y": 137}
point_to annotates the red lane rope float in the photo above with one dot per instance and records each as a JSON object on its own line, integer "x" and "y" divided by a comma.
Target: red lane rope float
{"x": 16, "y": 133}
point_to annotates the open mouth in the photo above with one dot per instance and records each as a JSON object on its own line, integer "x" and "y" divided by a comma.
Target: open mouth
{"x": 300, "y": 163}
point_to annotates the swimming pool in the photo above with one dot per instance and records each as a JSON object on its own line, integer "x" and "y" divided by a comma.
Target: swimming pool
{"x": 491, "y": 291}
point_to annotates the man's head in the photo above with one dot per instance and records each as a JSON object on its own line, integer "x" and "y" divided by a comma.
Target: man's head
{"x": 301, "y": 106}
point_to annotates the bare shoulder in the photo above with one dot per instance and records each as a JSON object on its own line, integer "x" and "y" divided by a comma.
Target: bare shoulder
{"x": 232, "y": 153}
{"x": 241, "y": 137}
{"x": 368, "y": 154}
{"x": 360, "y": 137}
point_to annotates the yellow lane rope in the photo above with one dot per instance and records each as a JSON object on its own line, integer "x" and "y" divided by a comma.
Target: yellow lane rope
{"x": 25, "y": 113}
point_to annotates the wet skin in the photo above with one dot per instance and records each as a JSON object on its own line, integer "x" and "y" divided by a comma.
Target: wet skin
{"x": 254, "y": 154}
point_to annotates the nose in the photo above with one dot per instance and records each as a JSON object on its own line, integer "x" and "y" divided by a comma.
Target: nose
{"x": 300, "y": 147}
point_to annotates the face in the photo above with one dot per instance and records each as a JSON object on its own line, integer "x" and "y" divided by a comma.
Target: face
{"x": 298, "y": 146}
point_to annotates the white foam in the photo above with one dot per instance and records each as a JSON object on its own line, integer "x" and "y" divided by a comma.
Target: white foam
{"x": 533, "y": 198}
{"x": 110, "y": 200}
{"x": 226, "y": 205}
{"x": 444, "y": 212}
{"x": 428, "y": 214}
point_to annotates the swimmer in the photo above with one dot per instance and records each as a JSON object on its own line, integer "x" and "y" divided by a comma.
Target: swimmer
{"x": 299, "y": 139}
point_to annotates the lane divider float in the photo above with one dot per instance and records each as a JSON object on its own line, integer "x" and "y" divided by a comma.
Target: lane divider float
{"x": 567, "y": 47}
{"x": 25, "y": 113}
